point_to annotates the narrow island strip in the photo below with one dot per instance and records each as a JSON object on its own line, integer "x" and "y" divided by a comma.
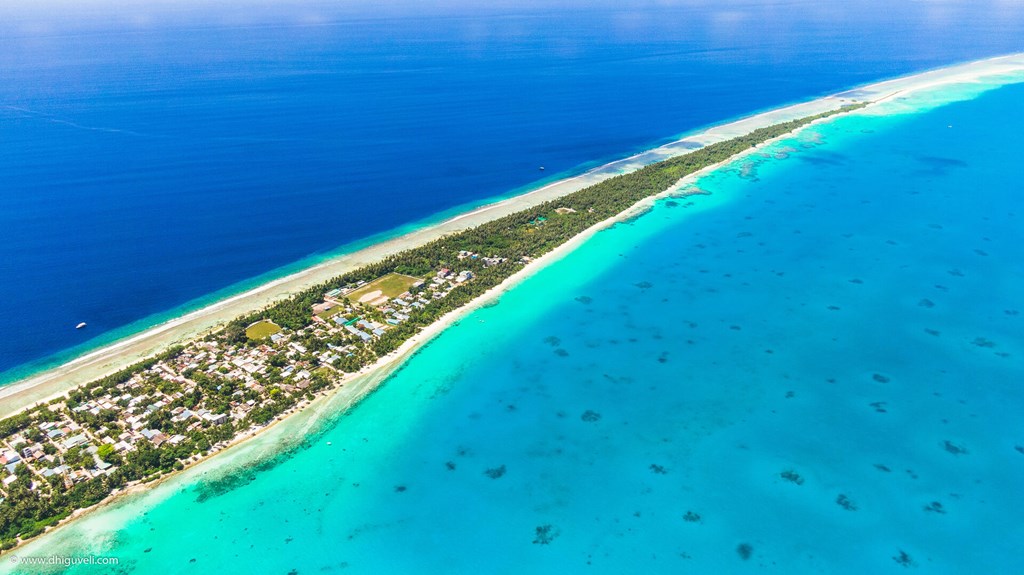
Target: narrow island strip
{"x": 156, "y": 417}
{"x": 46, "y": 385}
{"x": 320, "y": 340}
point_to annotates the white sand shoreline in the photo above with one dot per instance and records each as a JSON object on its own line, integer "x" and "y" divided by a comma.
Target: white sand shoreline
{"x": 357, "y": 386}
{"x": 44, "y": 386}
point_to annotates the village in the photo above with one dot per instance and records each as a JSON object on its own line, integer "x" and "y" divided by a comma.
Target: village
{"x": 206, "y": 394}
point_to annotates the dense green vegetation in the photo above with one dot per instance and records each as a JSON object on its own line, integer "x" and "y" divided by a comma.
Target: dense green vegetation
{"x": 532, "y": 233}
{"x": 512, "y": 239}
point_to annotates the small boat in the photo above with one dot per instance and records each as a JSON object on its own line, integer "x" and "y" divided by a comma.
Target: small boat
{"x": 80, "y": 326}
{"x": 542, "y": 168}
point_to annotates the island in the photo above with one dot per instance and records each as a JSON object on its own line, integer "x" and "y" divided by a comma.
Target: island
{"x": 174, "y": 409}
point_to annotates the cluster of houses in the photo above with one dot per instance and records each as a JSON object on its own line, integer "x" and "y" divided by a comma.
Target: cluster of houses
{"x": 487, "y": 261}
{"x": 351, "y": 317}
{"x": 76, "y": 439}
{"x": 41, "y": 454}
{"x": 121, "y": 417}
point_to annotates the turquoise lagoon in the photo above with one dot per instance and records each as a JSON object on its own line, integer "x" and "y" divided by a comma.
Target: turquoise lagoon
{"x": 816, "y": 368}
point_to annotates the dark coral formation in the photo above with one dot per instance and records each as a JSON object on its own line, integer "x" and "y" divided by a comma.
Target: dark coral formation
{"x": 691, "y": 517}
{"x": 983, "y": 342}
{"x": 545, "y": 534}
{"x": 903, "y": 559}
{"x": 845, "y": 502}
{"x": 792, "y": 477}
{"x": 745, "y": 551}
{"x": 954, "y": 448}
{"x": 495, "y": 472}
{"x": 590, "y": 416}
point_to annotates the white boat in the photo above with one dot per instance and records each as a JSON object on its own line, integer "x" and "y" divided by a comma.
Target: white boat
{"x": 80, "y": 326}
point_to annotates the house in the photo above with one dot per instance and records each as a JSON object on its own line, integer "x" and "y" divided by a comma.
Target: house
{"x": 59, "y": 470}
{"x": 215, "y": 418}
{"x": 356, "y": 331}
{"x": 182, "y": 416}
{"x": 75, "y": 441}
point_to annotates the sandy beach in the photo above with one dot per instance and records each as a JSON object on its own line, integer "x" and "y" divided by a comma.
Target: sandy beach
{"x": 49, "y": 384}
{"x": 288, "y": 426}
{"x": 296, "y": 423}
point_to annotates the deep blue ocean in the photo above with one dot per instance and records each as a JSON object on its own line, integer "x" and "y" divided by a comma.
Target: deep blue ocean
{"x": 157, "y": 155}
